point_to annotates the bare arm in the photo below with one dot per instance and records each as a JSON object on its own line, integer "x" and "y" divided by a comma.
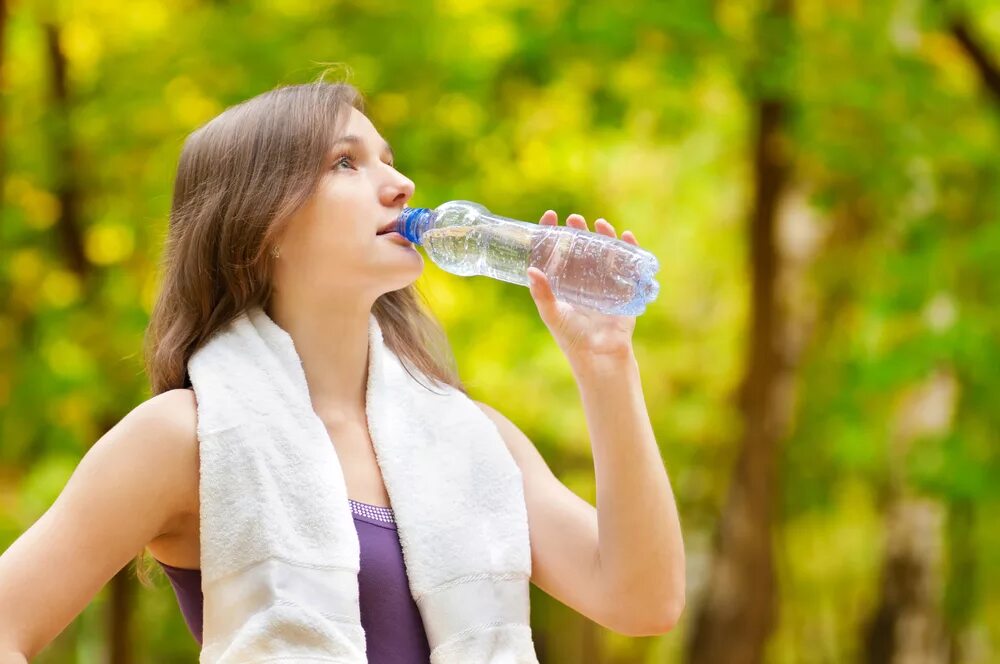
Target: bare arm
{"x": 122, "y": 495}
{"x": 641, "y": 553}
{"x": 640, "y": 592}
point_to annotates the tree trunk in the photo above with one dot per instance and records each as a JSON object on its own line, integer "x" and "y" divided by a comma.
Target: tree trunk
{"x": 738, "y": 609}
{"x": 68, "y": 225}
{"x": 907, "y": 626}
{"x": 120, "y": 607}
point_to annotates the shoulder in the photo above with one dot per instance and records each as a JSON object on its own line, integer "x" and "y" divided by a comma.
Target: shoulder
{"x": 166, "y": 428}
{"x": 168, "y": 420}
{"x": 124, "y": 493}
{"x": 174, "y": 410}
{"x": 501, "y": 422}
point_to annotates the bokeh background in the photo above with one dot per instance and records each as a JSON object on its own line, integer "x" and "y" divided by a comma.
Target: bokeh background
{"x": 819, "y": 178}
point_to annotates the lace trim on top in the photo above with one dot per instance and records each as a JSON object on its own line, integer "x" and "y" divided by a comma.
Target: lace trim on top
{"x": 372, "y": 511}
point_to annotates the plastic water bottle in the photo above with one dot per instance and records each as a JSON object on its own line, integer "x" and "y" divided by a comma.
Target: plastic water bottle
{"x": 583, "y": 267}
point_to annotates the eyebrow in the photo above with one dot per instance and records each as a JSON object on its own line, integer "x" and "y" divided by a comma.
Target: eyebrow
{"x": 351, "y": 138}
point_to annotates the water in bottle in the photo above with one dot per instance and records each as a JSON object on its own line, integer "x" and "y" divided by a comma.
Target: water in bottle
{"x": 583, "y": 267}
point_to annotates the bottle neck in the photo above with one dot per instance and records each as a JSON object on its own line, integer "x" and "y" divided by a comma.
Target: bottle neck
{"x": 413, "y": 222}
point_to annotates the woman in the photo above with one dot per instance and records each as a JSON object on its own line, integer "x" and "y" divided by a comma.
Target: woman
{"x": 278, "y": 203}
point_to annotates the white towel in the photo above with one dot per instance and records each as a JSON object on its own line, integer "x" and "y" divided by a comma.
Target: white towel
{"x": 279, "y": 549}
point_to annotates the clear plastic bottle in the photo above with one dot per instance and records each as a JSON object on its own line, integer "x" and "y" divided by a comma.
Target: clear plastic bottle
{"x": 583, "y": 267}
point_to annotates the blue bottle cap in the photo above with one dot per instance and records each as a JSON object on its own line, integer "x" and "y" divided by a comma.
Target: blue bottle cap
{"x": 412, "y": 223}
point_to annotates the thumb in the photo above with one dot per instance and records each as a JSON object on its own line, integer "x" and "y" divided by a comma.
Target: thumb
{"x": 538, "y": 284}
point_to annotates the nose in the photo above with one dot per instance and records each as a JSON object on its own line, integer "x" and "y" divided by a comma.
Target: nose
{"x": 399, "y": 190}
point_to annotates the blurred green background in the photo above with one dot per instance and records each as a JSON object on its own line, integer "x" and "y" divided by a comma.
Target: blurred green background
{"x": 820, "y": 180}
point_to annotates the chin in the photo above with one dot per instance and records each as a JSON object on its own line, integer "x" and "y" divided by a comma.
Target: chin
{"x": 405, "y": 277}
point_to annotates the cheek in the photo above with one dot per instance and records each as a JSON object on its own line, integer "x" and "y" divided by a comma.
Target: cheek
{"x": 337, "y": 244}
{"x": 337, "y": 226}
{"x": 334, "y": 250}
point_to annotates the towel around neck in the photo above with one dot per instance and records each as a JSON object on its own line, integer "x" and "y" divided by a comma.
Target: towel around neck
{"x": 279, "y": 553}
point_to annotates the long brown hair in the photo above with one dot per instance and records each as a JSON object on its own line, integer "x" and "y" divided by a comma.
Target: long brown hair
{"x": 240, "y": 177}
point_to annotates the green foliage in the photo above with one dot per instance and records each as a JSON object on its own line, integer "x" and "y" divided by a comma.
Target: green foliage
{"x": 636, "y": 112}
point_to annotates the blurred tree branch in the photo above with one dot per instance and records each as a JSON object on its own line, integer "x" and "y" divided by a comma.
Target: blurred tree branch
{"x": 988, "y": 71}
{"x": 982, "y": 60}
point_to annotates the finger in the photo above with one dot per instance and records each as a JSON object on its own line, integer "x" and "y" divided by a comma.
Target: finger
{"x": 604, "y": 227}
{"x": 629, "y": 237}
{"x": 549, "y": 218}
{"x": 576, "y": 221}
{"x": 538, "y": 284}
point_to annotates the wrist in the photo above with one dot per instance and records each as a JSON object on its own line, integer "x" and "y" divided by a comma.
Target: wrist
{"x": 603, "y": 364}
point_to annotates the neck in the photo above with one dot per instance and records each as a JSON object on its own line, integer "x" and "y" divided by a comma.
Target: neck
{"x": 333, "y": 347}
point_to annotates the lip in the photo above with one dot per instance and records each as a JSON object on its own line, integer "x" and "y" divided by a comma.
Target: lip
{"x": 388, "y": 227}
{"x": 397, "y": 238}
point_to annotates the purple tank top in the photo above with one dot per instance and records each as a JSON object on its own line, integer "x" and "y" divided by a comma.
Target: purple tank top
{"x": 394, "y": 632}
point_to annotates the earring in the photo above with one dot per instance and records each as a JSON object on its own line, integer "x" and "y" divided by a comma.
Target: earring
{"x": 274, "y": 252}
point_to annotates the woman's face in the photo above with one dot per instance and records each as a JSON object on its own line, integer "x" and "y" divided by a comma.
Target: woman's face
{"x": 329, "y": 251}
